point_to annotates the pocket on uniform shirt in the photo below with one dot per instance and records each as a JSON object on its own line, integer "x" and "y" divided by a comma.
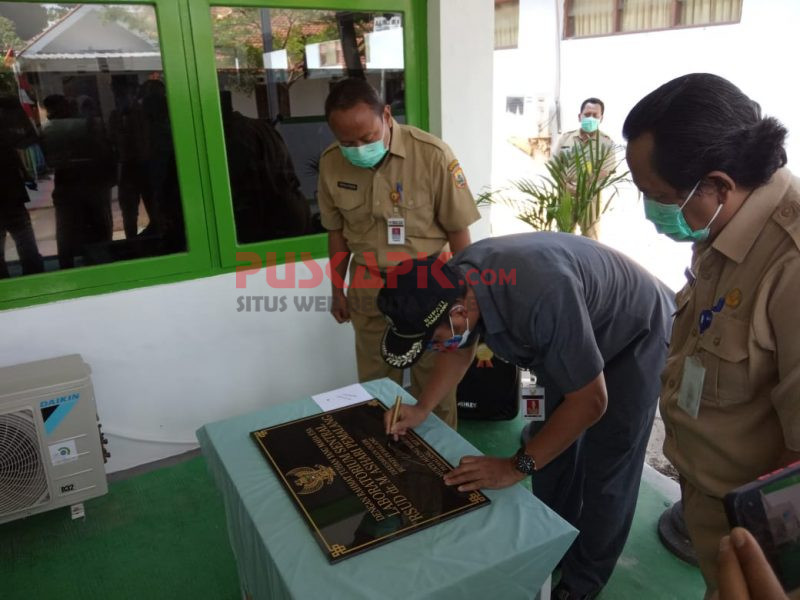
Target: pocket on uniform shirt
{"x": 418, "y": 204}
{"x": 355, "y": 210}
{"x": 726, "y": 360}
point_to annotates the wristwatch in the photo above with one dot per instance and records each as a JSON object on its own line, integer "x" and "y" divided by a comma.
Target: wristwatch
{"x": 524, "y": 463}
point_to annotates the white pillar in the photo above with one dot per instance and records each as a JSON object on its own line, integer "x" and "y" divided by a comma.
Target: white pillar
{"x": 460, "y": 62}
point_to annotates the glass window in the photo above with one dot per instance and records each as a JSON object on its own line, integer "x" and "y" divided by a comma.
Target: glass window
{"x": 87, "y": 162}
{"x": 275, "y": 68}
{"x": 603, "y": 17}
{"x": 506, "y": 24}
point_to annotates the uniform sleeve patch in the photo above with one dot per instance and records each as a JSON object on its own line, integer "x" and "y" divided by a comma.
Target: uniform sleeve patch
{"x": 452, "y": 166}
{"x": 459, "y": 178}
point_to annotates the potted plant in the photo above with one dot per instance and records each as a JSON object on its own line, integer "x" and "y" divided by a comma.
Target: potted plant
{"x": 578, "y": 189}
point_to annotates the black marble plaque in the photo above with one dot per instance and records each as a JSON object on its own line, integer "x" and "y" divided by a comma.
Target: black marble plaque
{"x": 357, "y": 488}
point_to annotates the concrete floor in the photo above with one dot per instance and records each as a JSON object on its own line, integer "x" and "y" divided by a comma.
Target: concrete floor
{"x": 655, "y": 455}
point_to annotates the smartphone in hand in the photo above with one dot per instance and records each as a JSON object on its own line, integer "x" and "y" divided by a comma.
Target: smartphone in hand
{"x": 769, "y": 508}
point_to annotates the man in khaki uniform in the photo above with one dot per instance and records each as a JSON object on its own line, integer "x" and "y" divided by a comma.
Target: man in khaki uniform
{"x": 584, "y": 138}
{"x": 590, "y": 117}
{"x": 731, "y": 387}
{"x": 387, "y": 192}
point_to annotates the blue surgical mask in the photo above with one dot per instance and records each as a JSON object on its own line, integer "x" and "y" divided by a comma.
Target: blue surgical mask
{"x": 669, "y": 219}
{"x": 454, "y": 341}
{"x": 590, "y": 124}
{"x": 366, "y": 156}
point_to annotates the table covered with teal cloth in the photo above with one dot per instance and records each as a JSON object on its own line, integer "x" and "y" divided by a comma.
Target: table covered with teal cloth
{"x": 504, "y": 550}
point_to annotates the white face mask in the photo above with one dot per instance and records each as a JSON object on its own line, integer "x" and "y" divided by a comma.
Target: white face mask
{"x": 464, "y": 336}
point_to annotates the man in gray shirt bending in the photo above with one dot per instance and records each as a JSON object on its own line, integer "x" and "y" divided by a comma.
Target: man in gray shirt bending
{"x": 593, "y": 326}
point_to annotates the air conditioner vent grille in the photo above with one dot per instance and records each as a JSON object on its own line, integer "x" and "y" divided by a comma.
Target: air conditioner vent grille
{"x": 23, "y": 480}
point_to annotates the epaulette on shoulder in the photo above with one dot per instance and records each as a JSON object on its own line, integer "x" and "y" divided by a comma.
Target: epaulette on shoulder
{"x": 330, "y": 148}
{"x": 787, "y": 215}
{"x": 425, "y": 137}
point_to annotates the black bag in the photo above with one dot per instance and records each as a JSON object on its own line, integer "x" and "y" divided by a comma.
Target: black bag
{"x": 489, "y": 389}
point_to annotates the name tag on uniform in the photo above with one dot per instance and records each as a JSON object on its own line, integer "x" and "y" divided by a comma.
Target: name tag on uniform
{"x": 691, "y": 390}
{"x": 396, "y": 231}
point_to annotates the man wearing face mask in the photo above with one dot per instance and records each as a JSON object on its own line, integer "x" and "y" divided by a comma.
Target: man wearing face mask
{"x": 590, "y": 118}
{"x": 588, "y": 138}
{"x": 711, "y": 170}
{"x": 593, "y": 325}
{"x": 387, "y": 192}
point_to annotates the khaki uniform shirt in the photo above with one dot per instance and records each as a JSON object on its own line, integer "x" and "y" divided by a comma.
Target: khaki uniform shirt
{"x": 435, "y": 198}
{"x": 749, "y": 412}
{"x": 573, "y": 138}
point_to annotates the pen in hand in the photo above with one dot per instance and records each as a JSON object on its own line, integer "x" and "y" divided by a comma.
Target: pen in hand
{"x": 395, "y": 412}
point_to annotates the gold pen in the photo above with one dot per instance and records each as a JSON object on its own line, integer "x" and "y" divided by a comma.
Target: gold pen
{"x": 395, "y": 411}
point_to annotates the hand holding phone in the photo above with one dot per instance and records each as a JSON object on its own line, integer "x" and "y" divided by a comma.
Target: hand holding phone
{"x": 769, "y": 509}
{"x": 743, "y": 570}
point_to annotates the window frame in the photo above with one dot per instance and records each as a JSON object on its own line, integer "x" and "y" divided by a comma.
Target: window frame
{"x": 568, "y": 31}
{"x": 68, "y": 283}
{"x": 414, "y": 72}
{"x": 187, "y": 52}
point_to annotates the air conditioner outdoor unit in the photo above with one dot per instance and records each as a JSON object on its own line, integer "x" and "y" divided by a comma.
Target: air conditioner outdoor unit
{"x": 50, "y": 448}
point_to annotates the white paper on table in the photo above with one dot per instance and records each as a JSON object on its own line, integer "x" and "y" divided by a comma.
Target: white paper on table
{"x": 350, "y": 394}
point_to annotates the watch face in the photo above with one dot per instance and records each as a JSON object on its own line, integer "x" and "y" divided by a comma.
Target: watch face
{"x": 525, "y": 464}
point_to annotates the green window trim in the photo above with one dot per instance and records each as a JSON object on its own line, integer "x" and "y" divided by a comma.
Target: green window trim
{"x": 187, "y": 47}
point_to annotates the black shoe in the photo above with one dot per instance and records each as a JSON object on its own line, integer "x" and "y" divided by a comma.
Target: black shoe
{"x": 562, "y": 592}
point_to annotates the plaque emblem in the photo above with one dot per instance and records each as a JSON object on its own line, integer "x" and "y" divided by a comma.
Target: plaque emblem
{"x": 310, "y": 479}
{"x": 356, "y": 488}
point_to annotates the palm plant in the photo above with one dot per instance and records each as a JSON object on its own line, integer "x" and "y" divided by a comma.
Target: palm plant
{"x": 569, "y": 198}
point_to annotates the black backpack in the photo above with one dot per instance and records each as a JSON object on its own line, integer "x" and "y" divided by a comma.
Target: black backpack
{"x": 489, "y": 389}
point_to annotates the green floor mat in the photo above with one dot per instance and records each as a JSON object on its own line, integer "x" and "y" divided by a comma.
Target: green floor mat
{"x": 645, "y": 568}
{"x": 157, "y": 535}
{"x": 162, "y": 535}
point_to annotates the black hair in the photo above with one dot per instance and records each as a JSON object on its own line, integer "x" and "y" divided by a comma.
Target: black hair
{"x": 700, "y": 123}
{"x": 346, "y": 93}
{"x": 594, "y": 101}
{"x": 58, "y": 106}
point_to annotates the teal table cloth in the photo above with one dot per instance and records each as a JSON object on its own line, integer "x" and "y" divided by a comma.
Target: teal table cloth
{"x": 504, "y": 550}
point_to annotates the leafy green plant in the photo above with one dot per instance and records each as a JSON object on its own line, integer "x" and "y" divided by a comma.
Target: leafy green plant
{"x": 569, "y": 197}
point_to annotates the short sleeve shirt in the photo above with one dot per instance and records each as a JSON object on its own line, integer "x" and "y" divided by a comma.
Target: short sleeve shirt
{"x": 572, "y": 139}
{"x": 562, "y": 305}
{"x": 747, "y": 281}
{"x": 419, "y": 180}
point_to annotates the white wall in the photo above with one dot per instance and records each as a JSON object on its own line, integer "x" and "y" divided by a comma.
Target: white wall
{"x": 757, "y": 55}
{"x": 529, "y": 70}
{"x": 622, "y": 69}
{"x": 460, "y": 46}
{"x": 167, "y": 359}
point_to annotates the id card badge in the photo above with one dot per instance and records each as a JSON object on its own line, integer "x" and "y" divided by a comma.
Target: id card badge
{"x": 532, "y": 402}
{"x": 691, "y": 386}
{"x": 396, "y": 231}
